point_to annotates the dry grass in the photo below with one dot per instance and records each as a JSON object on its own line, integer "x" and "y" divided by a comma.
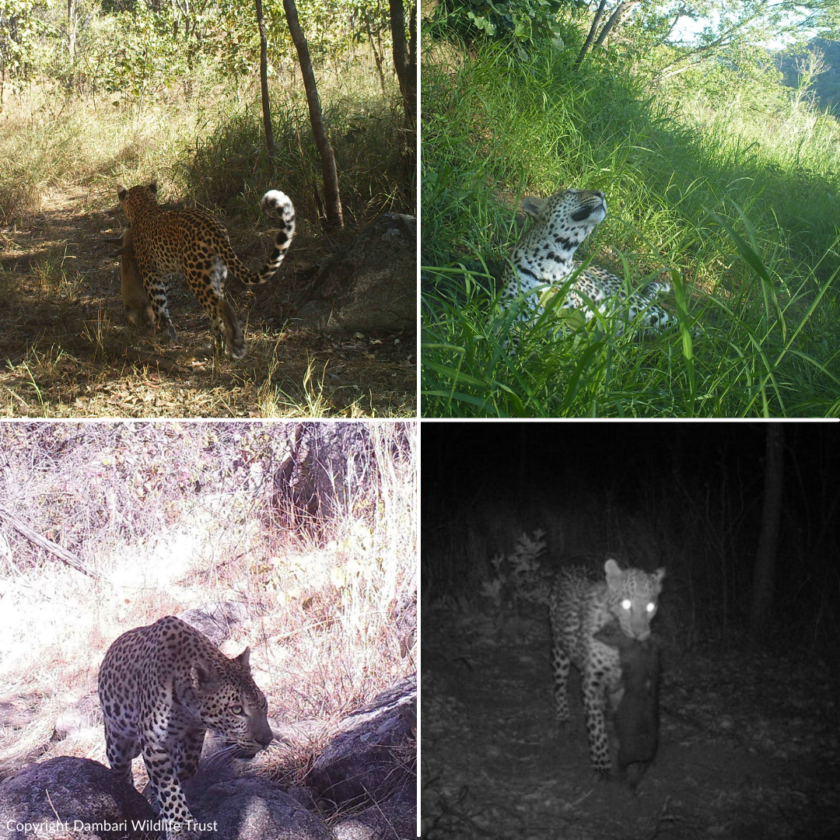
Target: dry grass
{"x": 172, "y": 516}
{"x": 70, "y": 351}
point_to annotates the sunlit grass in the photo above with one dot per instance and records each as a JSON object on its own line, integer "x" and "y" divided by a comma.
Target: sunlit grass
{"x": 747, "y": 231}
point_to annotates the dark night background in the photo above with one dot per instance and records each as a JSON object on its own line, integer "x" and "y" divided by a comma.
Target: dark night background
{"x": 687, "y": 496}
{"x": 750, "y": 714}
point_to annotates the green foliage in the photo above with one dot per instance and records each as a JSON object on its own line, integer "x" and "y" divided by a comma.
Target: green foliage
{"x": 735, "y": 197}
{"x": 525, "y": 23}
{"x": 21, "y": 25}
{"x": 135, "y": 46}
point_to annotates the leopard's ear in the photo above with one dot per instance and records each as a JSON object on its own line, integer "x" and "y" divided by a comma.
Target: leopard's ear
{"x": 533, "y": 205}
{"x": 121, "y": 192}
{"x": 244, "y": 659}
{"x": 153, "y": 187}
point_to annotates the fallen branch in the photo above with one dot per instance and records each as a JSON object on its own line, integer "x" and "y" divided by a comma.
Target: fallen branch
{"x": 33, "y": 536}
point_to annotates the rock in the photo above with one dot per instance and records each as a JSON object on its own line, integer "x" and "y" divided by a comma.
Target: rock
{"x": 394, "y": 818}
{"x": 373, "y": 761}
{"x": 637, "y": 714}
{"x": 74, "y": 789}
{"x": 250, "y": 808}
{"x": 370, "y": 286}
{"x": 215, "y": 620}
{"x": 78, "y": 719}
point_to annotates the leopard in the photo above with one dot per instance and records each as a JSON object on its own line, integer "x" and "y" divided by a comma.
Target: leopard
{"x": 636, "y": 717}
{"x": 194, "y": 243}
{"x": 161, "y": 688}
{"x": 543, "y": 260}
{"x": 580, "y": 605}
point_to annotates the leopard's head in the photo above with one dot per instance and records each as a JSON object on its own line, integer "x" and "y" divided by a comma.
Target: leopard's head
{"x": 133, "y": 201}
{"x": 632, "y": 597}
{"x": 230, "y": 703}
{"x": 569, "y": 215}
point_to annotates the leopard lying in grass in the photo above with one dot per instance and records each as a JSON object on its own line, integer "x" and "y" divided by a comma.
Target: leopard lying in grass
{"x": 544, "y": 257}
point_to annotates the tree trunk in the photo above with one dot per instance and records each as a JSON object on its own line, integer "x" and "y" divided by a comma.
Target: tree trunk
{"x": 764, "y": 576}
{"x": 591, "y": 36}
{"x": 266, "y": 104}
{"x": 405, "y": 61}
{"x": 71, "y": 29}
{"x": 376, "y": 56}
{"x": 624, "y": 9}
{"x": 332, "y": 197}
{"x": 405, "y": 64}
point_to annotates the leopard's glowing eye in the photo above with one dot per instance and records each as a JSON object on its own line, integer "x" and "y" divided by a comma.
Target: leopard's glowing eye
{"x": 626, "y": 604}
{"x": 650, "y": 607}
{"x": 237, "y": 710}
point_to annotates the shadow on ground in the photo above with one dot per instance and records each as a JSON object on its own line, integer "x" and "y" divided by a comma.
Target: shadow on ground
{"x": 748, "y": 744}
{"x": 70, "y": 351}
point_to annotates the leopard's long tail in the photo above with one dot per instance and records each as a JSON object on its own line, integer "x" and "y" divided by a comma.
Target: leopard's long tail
{"x": 282, "y": 205}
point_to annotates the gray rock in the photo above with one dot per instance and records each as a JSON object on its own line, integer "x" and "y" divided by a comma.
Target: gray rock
{"x": 394, "y": 818}
{"x": 74, "y": 720}
{"x": 255, "y": 809}
{"x": 372, "y": 762}
{"x": 352, "y": 829}
{"x": 371, "y": 286}
{"x": 215, "y": 620}
{"x": 73, "y": 789}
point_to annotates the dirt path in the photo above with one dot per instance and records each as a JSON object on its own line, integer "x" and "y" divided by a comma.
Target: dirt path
{"x": 70, "y": 351}
{"x": 749, "y": 745}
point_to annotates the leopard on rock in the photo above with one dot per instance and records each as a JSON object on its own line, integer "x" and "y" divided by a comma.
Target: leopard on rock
{"x": 195, "y": 244}
{"x": 543, "y": 261}
{"x": 161, "y": 687}
{"x": 580, "y": 605}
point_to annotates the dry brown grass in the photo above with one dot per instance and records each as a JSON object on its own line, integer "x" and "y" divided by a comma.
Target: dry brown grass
{"x": 175, "y": 515}
{"x": 70, "y": 351}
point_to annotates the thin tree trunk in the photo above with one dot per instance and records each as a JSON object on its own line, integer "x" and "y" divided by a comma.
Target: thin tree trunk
{"x": 376, "y": 57}
{"x": 71, "y": 29}
{"x": 591, "y": 36}
{"x": 764, "y": 576}
{"x": 266, "y": 104}
{"x": 624, "y": 8}
{"x": 405, "y": 63}
{"x": 332, "y": 197}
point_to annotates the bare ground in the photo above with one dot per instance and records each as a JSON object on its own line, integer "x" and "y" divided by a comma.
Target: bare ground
{"x": 748, "y": 744}
{"x": 70, "y": 352}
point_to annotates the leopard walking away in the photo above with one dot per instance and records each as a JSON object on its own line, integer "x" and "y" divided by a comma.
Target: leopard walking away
{"x": 161, "y": 688}
{"x": 579, "y": 607}
{"x": 637, "y": 716}
{"x": 195, "y": 244}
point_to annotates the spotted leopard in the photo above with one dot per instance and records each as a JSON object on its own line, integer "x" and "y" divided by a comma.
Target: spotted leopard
{"x": 195, "y": 244}
{"x": 580, "y": 606}
{"x": 544, "y": 258}
{"x": 161, "y": 688}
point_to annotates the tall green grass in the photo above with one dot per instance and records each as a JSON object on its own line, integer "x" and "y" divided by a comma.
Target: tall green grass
{"x": 738, "y": 206}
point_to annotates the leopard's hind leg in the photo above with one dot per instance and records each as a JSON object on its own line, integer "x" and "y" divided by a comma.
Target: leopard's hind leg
{"x": 207, "y": 284}
{"x": 156, "y": 289}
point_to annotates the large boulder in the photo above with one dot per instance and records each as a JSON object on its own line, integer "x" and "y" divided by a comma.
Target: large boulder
{"x": 72, "y": 797}
{"x": 372, "y": 761}
{"x": 251, "y": 808}
{"x": 372, "y": 286}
